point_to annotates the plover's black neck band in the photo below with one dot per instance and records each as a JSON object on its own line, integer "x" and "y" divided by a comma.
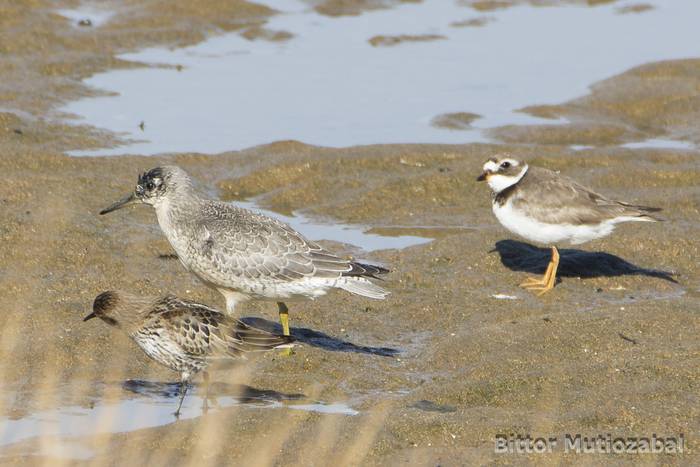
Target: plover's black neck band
{"x": 502, "y": 196}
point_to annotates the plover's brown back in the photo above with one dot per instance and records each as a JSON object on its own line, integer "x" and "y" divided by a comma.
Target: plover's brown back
{"x": 551, "y": 198}
{"x": 546, "y": 207}
{"x": 549, "y": 208}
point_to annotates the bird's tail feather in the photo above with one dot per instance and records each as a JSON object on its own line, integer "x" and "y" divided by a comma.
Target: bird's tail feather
{"x": 641, "y": 213}
{"x": 249, "y": 339}
{"x": 362, "y": 286}
{"x": 365, "y": 270}
{"x": 648, "y": 218}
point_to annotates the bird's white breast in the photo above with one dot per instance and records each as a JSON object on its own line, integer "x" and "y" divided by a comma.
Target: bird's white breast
{"x": 177, "y": 240}
{"x": 531, "y": 229}
{"x": 163, "y": 350}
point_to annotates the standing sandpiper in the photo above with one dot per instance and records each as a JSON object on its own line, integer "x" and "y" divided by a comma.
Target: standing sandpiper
{"x": 181, "y": 335}
{"x": 545, "y": 207}
{"x": 243, "y": 254}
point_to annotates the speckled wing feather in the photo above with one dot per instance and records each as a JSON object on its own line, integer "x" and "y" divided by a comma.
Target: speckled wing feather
{"x": 238, "y": 242}
{"x": 554, "y": 199}
{"x": 206, "y": 333}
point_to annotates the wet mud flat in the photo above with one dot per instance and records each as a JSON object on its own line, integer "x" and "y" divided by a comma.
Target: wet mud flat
{"x": 457, "y": 354}
{"x": 613, "y": 348}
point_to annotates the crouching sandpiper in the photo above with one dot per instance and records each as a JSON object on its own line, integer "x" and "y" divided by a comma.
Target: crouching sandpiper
{"x": 545, "y": 207}
{"x": 243, "y": 254}
{"x": 182, "y": 335}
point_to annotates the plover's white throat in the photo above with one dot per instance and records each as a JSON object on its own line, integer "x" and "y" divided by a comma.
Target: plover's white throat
{"x": 243, "y": 254}
{"x": 545, "y": 207}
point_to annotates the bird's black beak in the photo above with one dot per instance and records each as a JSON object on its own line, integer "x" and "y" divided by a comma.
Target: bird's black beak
{"x": 125, "y": 201}
{"x": 483, "y": 176}
{"x": 90, "y": 316}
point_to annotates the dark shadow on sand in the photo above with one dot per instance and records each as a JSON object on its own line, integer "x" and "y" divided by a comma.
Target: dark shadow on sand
{"x": 520, "y": 256}
{"x": 242, "y": 393}
{"x": 318, "y": 339}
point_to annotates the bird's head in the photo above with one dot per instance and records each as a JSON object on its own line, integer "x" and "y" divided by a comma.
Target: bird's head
{"x": 106, "y": 307}
{"x": 119, "y": 309}
{"x": 153, "y": 187}
{"x": 501, "y": 172}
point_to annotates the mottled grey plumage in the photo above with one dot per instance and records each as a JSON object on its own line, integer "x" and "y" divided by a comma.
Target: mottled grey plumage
{"x": 182, "y": 335}
{"x": 243, "y": 254}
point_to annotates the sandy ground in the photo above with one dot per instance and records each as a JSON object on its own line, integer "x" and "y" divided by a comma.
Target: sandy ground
{"x": 613, "y": 349}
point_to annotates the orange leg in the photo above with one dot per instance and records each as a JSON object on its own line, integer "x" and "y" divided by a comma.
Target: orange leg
{"x": 546, "y": 283}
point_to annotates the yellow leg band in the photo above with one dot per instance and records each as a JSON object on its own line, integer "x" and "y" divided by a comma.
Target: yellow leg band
{"x": 284, "y": 320}
{"x": 284, "y": 317}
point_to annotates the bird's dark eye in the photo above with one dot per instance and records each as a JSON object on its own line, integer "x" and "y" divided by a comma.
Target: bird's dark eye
{"x": 150, "y": 186}
{"x": 505, "y": 164}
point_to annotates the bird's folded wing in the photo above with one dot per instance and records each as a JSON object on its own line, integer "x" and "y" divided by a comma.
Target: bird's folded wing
{"x": 196, "y": 331}
{"x": 240, "y": 337}
{"x": 563, "y": 201}
{"x": 256, "y": 246}
{"x": 203, "y": 332}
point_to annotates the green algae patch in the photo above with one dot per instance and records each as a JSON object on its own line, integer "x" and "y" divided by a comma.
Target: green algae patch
{"x": 492, "y": 5}
{"x": 388, "y": 41}
{"x": 473, "y": 22}
{"x": 565, "y": 134}
{"x": 660, "y": 99}
{"x": 355, "y": 7}
{"x": 635, "y": 8}
{"x": 455, "y": 121}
